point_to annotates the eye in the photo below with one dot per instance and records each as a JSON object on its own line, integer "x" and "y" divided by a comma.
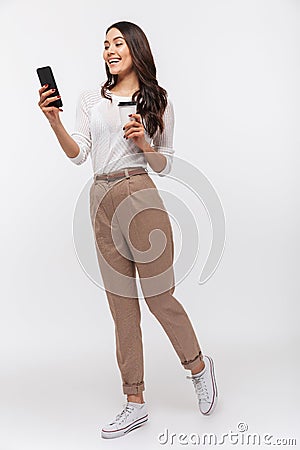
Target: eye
{"x": 117, "y": 45}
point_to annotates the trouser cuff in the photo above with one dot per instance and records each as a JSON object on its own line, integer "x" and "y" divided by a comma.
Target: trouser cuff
{"x": 193, "y": 363}
{"x": 134, "y": 388}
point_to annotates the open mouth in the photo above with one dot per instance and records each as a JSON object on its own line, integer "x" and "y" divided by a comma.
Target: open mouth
{"x": 114, "y": 61}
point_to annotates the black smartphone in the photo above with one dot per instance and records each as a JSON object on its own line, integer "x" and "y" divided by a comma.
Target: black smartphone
{"x": 46, "y": 76}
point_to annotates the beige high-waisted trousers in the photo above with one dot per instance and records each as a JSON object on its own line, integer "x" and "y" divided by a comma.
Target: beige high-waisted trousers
{"x": 124, "y": 212}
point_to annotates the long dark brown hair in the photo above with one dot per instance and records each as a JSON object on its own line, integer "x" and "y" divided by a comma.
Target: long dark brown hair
{"x": 151, "y": 98}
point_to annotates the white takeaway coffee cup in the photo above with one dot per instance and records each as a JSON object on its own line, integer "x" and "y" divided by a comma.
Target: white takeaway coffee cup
{"x": 125, "y": 109}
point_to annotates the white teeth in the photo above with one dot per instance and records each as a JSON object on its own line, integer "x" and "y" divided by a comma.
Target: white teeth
{"x": 113, "y": 61}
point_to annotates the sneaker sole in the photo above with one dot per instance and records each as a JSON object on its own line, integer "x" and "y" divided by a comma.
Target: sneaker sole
{"x": 123, "y": 431}
{"x": 215, "y": 389}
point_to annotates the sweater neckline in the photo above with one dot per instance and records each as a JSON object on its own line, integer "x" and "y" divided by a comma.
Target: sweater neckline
{"x": 119, "y": 96}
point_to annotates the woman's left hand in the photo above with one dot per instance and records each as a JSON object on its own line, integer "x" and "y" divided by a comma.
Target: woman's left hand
{"x": 135, "y": 130}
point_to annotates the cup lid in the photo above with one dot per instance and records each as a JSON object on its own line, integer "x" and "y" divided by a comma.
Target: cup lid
{"x": 126, "y": 103}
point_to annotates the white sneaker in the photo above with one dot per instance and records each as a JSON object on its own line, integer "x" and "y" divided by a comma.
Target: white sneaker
{"x": 132, "y": 416}
{"x": 206, "y": 387}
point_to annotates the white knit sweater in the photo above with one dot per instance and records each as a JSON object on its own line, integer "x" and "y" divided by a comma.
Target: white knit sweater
{"x": 98, "y": 132}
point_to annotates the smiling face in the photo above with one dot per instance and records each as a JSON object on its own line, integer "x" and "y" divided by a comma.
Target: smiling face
{"x": 116, "y": 53}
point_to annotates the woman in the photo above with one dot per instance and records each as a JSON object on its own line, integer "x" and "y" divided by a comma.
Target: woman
{"x": 124, "y": 194}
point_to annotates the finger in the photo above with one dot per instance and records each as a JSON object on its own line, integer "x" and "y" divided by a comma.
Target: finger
{"x": 48, "y": 109}
{"x": 137, "y": 117}
{"x": 135, "y": 134}
{"x": 47, "y": 93}
{"x": 47, "y": 101}
{"x": 134, "y": 129}
{"x": 132, "y": 124}
{"x": 51, "y": 99}
{"x": 43, "y": 87}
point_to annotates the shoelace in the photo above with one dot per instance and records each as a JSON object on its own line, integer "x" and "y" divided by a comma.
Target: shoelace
{"x": 123, "y": 415}
{"x": 200, "y": 388}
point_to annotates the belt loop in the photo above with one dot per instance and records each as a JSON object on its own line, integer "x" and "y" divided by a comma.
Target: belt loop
{"x": 126, "y": 173}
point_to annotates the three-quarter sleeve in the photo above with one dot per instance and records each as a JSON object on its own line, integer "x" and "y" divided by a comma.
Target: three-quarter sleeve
{"x": 163, "y": 142}
{"x": 82, "y": 132}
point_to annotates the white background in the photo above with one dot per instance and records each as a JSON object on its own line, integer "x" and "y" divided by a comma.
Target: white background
{"x": 232, "y": 69}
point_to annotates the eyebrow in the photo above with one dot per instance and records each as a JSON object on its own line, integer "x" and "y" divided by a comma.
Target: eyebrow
{"x": 117, "y": 37}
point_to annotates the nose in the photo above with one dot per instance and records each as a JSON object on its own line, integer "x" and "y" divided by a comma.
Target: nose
{"x": 109, "y": 53}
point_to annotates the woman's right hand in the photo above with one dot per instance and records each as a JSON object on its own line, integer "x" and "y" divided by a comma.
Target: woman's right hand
{"x": 51, "y": 112}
